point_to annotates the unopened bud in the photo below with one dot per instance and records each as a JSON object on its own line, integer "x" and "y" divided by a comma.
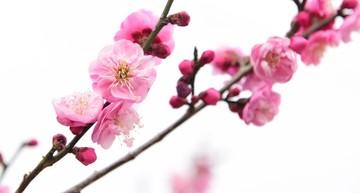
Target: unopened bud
{"x": 303, "y": 19}
{"x": 194, "y": 99}
{"x": 183, "y": 89}
{"x": 211, "y": 96}
{"x": 177, "y": 102}
{"x": 59, "y": 141}
{"x": 186, "y": 67}
{"x": 235, "y": 91}
{"x": 31, "y": 143}
{"x": 86, "y": 155}
{"x": 298, "y": 43}
{"x": 76, "y": 130}
{"x": 180, "y": 19}
{"x": 206, "y": 57}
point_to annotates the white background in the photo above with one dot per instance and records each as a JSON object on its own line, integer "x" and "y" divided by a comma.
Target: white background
{"x": 311, "y": 146}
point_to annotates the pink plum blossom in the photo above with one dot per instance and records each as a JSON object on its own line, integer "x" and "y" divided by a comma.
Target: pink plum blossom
{"x": 320, "y": 8}
{"x": 137, "y": 28}
{"x": 122, "y": 72}
{"x": 226, "y": 60}
{"x": 4, "y": 189}
{"x": 117, "y": 119}
{"x": 252, "y": 83}
{"x": 273, "y": 60}
{"x": 351, "y": 23}
{"x": 262, "y": 107}
{"x": 197, "y": 180}
{"x": 78, "y": 109}
{"x": 318, "y": 42}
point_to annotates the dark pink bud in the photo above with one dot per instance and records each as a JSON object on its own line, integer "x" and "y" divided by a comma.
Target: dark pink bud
{"x": 194, "y": 99}
{"x": 177, "y": 102}
{"x": 86, "y": 155}
{"x": 180, "y": 19}
{"x": 303, "y": 19}
{"x": 206, "y": 57}
{"x": 31, "y": 143}
{"x": 235, "y": 91}
{"x": 211, "y": 96}
{"x": 161, "y": 51}
{"x": 183, "y": 89}
{"x": 298, "y": 43}
{"x": 59, "y": 141}
{"x": 76, "y": 130}
{"x": 186, "y": 67}
{"x": 349, "y": 4}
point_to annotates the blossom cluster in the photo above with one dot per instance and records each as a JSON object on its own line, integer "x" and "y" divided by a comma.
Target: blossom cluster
{"x": 122, "y": 76}
{"x": 274, "y": 61}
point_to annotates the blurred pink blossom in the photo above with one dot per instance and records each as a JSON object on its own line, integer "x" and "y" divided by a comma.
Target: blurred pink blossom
{"x": 78, "y": 109}
{"x": 122, "y": 72}
{"x": 226, "y": 60}
{"x": 320, "y": 8}
{"x": 318, "y": 42}
{"x": 137, "y": 28}
{"x": 4, "y": 189}
{"x": 262, "y": 107}
{"x": 252, "y": 83}
{"x": 351, "y": 23}
{"x": 197, "y": 180}
{"x": 117, "y": 119}
{"x": 273, "y": 60}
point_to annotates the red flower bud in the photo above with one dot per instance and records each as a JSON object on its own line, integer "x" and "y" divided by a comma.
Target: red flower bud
{"x": 177, "y": 102}
{"x": 206, "y": 57}
{"x": 31, "y": 143}
{"x": 86, "y": 155}
{"x": 59, "y": 141}
{"x": 211, "y": 96}
{"x": 180, "y": 19}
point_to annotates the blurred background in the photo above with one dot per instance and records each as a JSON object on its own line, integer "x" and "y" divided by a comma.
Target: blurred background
{"x": 311, "y": 146}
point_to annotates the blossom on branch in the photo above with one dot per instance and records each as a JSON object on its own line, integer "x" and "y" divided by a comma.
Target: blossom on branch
{"x": 273, "y": 60}
{"x": 226, "y": 60}
{"x": 318, "y": 42}
{"x": 262, "y": 107}
{"x": 78, "y": 109}
{"x": 137, "y": 28}
{"x": 117, "y": 119}
{"x": 351, "y": 23}
{"x": 122, "y": 72}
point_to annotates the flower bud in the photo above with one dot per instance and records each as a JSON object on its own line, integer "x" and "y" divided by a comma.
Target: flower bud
{"x": 86, "y": 155}
{"x": 235, "y": 91}
{"x": 31, "y": 143}
{"x": 177, "y": 102}
{"x": 303, "y": 19}
{"x": 211, "y": 96}
{"x": 186, "y": 67}
{"x": 194, "y": 99}
{"x": 59, "y": 141}
{"x": 183, "y": 89}
{"x": 180, "y": 19}
{"x": 76, "y": 130}
{"x": 206, "y": 57}
{"x": 298, "y": 43}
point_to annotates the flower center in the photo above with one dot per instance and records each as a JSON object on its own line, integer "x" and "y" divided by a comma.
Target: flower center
{"x": 122, "y": 72}
{"x": 273, "y": 59}
{"x": 79, "y": 103}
